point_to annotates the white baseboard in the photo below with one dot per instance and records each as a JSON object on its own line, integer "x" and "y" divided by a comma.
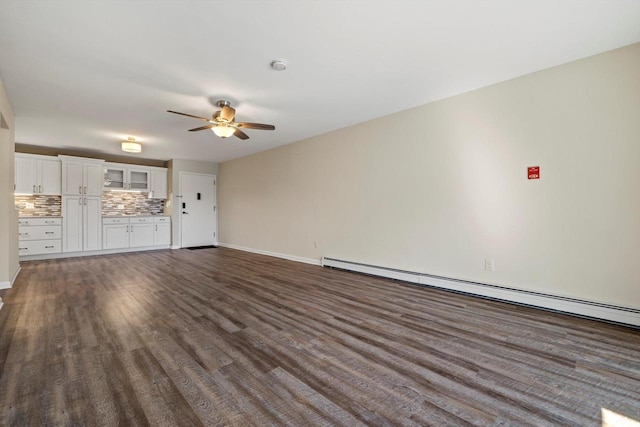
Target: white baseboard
{"x": 596, "y": 310}
{"x": 175, "y": 246}
{"x": 9, "y": 284}
{"x": 274, "y": 254}
{"x": 90, "y": 253}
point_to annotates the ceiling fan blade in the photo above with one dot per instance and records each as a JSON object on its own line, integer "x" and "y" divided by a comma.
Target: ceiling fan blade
{"x": 238, "y": 133}
{"x": 256, "y": 126}
{"x": 188, "y": 115}
{"x": 202, "y": 128}
{"x": 227, "y": 113}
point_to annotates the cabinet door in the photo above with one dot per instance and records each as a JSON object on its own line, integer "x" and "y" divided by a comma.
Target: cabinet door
{"x": 25, "y": 176}
{"x": 115, "y": 236}
{"x": 72, "y": 181}
{"x": 114, "y": 178}
{"x": 92, "y": 223}
{"x": 141, "y": 235}
{"x": 159, "y": 184}
{"x": 138, "y": 179}
{"x": 163, "y": 234}
{"x": 72, "y": 223}
{"x": 93, "y": 179}
{"x": 49, "y": 177}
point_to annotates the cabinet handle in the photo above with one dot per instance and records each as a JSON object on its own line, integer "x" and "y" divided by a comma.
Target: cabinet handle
{"x": 39, "y": 188}
{"x": 85, "y": 190}
{"x": 156, "y": 227}
{"x": 48, "y": 247}
{"x": 34, "y": 188}
{"x": 49, "y": 232}
{"x": 80, "y": 201}
{"x": 80, "y": 190}
{"x": 23, "y": 249}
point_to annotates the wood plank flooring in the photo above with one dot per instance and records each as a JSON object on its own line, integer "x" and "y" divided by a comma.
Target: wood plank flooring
{"x": 220, "y": 337}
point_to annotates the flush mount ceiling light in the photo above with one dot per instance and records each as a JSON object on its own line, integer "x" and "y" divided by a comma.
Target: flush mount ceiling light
{"x": 130, "y": 146}
{"x": 279, "y": 64}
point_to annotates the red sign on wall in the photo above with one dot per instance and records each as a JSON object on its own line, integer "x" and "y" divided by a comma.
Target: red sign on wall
{"x": 533, "y": 172}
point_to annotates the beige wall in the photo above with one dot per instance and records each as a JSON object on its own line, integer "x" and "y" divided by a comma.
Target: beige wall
{"x": 442, "y": 187}
{"x": 8, "y": 215}
{"x": 175, "y": 167}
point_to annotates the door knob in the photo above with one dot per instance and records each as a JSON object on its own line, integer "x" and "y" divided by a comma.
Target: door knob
{"x": 186, "y": 213}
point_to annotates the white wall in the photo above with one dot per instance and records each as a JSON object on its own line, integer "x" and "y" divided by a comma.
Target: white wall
{"x": 175, "y": 167}
{"x": 8, "y": 215}
{"x": 440, "y": 188}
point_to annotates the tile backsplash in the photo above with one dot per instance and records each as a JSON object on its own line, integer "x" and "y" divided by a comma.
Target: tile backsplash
{"x": 39, "y": 205}
{"x": 116, "y": 203}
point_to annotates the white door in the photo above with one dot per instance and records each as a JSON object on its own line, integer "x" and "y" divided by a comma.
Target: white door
{"x": 72, "y": 182}
{"x": 92, "y": 223}
{"x": 198, "y": 225}
{"x": 141, "y": 235}
{"x": 115, "y": 236}
{"x": 25, "y": 176}
{"x": 162, "y": 234}
{"x": 72, "y": 223}
{"x": 93, "y": 179}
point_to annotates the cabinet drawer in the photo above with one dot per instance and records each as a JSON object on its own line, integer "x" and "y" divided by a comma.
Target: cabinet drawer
{"x": 162, "y": 219}
{"x": 39, "y": 233}
{"x": 40, "y": 221}
{"x": 37, "y": 247}
{"x": 116, "y": 220}
{"x": 141, "y": 220}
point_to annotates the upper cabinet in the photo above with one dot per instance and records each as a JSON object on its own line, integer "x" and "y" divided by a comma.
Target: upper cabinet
{"x": 81, "y": 176}
{"x": 36, "y": 174}
{"x": 158, "y": 188}
{"x": 126, "y": 177}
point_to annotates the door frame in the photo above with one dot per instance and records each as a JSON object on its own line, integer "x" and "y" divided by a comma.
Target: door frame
{"x": 179, "y": 197}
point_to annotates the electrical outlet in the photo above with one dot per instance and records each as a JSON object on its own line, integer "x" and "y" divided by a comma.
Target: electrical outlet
{"x": 120, "y": 206}
{"x": 30, "y": 205}
{"x": 488, "y": 265}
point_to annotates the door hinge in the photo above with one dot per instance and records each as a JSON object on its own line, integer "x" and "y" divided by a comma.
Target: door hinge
{"x": 214, "y": 208}
{"x": 214, "y": 234}
{"x": 214, "y": 182}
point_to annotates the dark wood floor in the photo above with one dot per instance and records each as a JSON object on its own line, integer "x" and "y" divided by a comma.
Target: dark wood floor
{"x": 221, "y": 337}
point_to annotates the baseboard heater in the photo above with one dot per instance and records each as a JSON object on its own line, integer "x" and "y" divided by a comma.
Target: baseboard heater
{"x": 611, "y": 313}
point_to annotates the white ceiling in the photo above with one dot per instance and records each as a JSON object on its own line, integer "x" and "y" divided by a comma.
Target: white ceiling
{"x": 86, "y": 74}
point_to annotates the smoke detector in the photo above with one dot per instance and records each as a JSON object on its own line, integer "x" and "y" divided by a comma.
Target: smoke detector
{"x": 279, "y": 65}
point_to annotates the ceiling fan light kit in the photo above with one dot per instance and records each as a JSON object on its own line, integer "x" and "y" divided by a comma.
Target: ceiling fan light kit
{"x": 223, "y": 131}
{"x": 130, "y": 146}
{"x": 222, "y": 122}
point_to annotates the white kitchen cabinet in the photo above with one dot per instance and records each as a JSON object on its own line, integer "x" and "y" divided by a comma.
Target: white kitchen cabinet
{"x": 158, "y": 188}
{"x": 38, "y": 236}
{"x": 36, "y": 174}
{"x": 126, "y": 177}
{"x": 115, "y": 233}
{"x": 141, "y": 232}
{"x": 135, "y": 232}
{"x": 81, "y": 176}
{"x": 162, "y": 232}
{"x": 82, "y": 223}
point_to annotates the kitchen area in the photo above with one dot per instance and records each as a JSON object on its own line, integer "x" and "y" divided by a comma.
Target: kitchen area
{"x": 76, "y": 206}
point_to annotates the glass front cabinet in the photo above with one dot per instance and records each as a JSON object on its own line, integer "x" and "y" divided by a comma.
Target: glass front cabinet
{"x": 122, "y": 177}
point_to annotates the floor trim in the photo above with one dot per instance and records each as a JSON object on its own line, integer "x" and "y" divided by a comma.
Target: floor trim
{"x": 90, "y": 253}
{"x": 574, "y": 306}
{"x": 311, "y": 261}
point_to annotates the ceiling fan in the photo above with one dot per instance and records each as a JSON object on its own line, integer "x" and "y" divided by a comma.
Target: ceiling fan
{"x": 222, "y": 124}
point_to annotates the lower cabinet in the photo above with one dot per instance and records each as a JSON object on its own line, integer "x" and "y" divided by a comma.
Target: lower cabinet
{"x": 39, "y": 236}
{"x": 135, "y": 232}
{"x": 115, "y": 233}
{"x": 81, "y": 223}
